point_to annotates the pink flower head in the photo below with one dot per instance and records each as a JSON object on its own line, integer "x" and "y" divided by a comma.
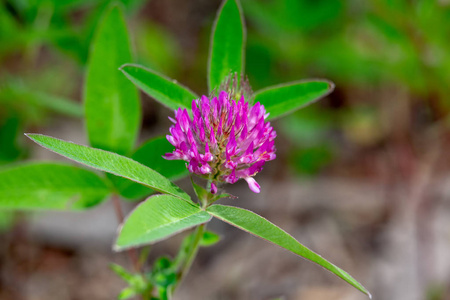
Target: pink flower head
{"x": 224, "y": 140}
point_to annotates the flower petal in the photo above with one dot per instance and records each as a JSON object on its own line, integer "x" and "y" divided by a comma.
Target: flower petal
{"x": 253, "y": 185}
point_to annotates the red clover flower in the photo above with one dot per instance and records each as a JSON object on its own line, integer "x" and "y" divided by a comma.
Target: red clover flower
{"x": 224, "y": 140}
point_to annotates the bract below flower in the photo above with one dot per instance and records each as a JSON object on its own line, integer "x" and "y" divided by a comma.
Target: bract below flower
{"x": 224, "y": 139}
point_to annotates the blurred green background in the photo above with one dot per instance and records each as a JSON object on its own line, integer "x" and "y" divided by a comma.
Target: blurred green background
{"x": 386, "y": 122}
{"x": 388, "y": 59}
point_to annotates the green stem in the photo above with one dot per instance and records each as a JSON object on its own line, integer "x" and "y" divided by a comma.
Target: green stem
{"x": 191, "y": 254}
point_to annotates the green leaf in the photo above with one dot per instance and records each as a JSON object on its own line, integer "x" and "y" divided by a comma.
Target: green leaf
{"x": 164, "y": 90}
{"x": 111, "y": 163}
{"x": 260, "y": 227}
{"x": 137, "y": 283}
{"x": 286, "y": 98}
{"x": 226, "y": 52}
{"x": 209, "y": 239}
{"x": 122, "y": 272}
{"x": 220, "y": 196}
{"x": 127, "y": 293}
{"x": 163, "y": 293}
{"x": 38, "y": 186}
{"x": 158, "y": 218}
{"x": 17, "y": 93}
{"x": 164, "y": 272}
{"x": 162, "y": 263}
{"x": 57, "y": 104}
{"x": 150, "y": 155}
{"x": 111, "y": 102}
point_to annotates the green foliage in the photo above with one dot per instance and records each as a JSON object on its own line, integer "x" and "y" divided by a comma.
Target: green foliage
{"x": 310, "y": 160}
{"x": 163, "y": 273}
{"x": 165, "y": 90}
{"x": 28, "y": 25}
{"x": 150, "y": 154}
{"x": 309, "y": 126}
{"x": 293, "y": 15}
{"x": 205, "y": 197}
{"x": 138, "y": 285}
{"x": 158, "y": 218}
{"x": 158, "y": 48}
{"x": 226, "y": 52}
{"x": 111, "y": 163}
{"x": 113, "y": 113}
{"x": 50, "y": 186}
{"x": 22, "y": 106}
{"x": 201, "y": 193}
{"x": 111, "y": 102}
{"x": 311, "y": 148}
{"x": 18, "y": 95}
{"x": 435, "y": 292}
{"x": 10, "y": 130}
{"x": 124, "y": 274}
{"x": 209, "y": 239}
{"x": 286, "y": 98}
{"x": 394, "y": 43}
{"x": 260, "y": 227}
{"x": 165, "y": 277}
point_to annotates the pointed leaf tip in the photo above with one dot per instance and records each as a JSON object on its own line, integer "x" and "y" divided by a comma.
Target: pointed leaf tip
{"x": 283, "y": 99}
{"x": 161, "y": 88}
{"x": 260, "y": 227}
{"x": 227, "y": 45}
